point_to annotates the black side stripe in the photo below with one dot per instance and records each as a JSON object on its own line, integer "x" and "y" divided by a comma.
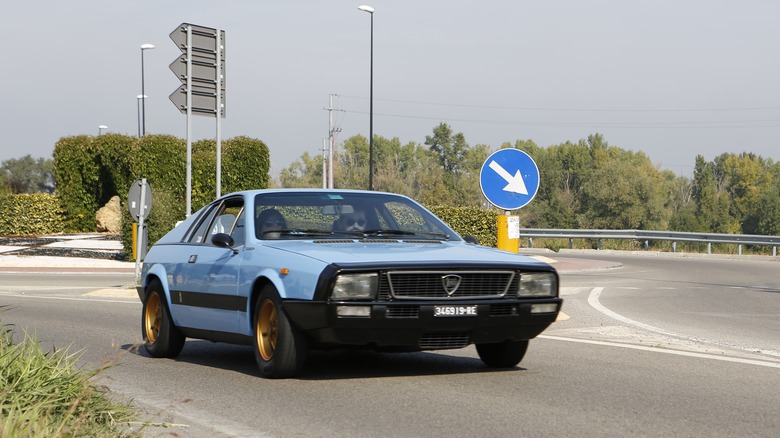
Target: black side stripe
{"x": 210, "y": 301}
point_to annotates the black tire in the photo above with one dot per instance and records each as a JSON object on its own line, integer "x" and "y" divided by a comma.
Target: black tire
{"x": 161, "y": 337}
{"x": 280, "y": 350}
{"x": 502, "y": 355}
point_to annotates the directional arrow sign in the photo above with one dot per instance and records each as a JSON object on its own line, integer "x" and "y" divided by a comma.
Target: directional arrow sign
{"x": 509, "y": 179}
{"x": 204, "y": 39}
{"x": 514, "y": 183}
{"x": 202, "y": 71}
{"x": 203, "y": 101}
{"x": 204, "y": 52}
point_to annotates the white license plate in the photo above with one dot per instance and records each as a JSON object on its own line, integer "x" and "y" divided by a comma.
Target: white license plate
{"x": 455, "y": 310}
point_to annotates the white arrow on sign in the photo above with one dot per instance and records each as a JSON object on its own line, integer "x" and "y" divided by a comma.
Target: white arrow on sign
{"x": 514, "y": 183}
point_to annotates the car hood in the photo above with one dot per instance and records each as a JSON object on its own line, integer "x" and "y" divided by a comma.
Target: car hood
{"x": 361, "y": 251}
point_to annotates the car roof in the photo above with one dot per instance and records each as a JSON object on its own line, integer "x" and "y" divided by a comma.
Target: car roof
{"x": 254, "y": 192}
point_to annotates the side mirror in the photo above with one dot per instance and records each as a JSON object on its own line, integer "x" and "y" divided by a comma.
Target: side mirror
{"x": 223, "y": 240}
{"x": 471, "y": 239}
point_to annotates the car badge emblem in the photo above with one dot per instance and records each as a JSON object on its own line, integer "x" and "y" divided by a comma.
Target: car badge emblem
{"x": 451, "y": 283}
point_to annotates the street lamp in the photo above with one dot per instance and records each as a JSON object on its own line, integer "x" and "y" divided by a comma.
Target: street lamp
{"x": 101, "y": 128}
{"x": 143, "y": 92}
{"x": 370, "y": 10}
{"x": 138, "y": 106}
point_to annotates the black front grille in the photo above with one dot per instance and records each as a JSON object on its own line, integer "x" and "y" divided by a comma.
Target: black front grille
{"x": 403, "y": 312}
{"x": 441, "y": 341}
{"x": 503, "y": 310}
{"x": 447, "y": 284}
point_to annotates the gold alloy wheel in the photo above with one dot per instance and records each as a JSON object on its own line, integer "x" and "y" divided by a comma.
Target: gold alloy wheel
{"x": 153, "y": 317}
{"x": 267, "y": 330}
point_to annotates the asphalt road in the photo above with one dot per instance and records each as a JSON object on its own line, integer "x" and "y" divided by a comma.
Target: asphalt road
{"x": 659, "y": 346}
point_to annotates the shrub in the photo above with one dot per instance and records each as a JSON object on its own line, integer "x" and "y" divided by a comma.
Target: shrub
{"x": 30, "y": 214}
{"x": 473, "y": 221}
{"x": 44, "y": 394}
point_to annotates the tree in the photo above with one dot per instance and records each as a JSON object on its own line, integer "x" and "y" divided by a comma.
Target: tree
{"x": 764, "y": 216}
{"x": 625, "y": 191}
{"x": 449, "y": 148}
{"x": 747, "y": 180}
{"x": 28, "y": 175}
{"x": 304, "y": 172}
{"x": 587, "y": 184}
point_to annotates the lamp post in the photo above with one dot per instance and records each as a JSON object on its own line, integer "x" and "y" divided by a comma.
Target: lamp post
{"x": 143, "y": 92}
{"x": 101, "y": 128}
{"x": 370, "y": 10}
{"x": 138, "y": 106}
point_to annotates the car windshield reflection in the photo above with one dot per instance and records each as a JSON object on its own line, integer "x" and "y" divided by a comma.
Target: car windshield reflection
{"x": 339, "y": 215}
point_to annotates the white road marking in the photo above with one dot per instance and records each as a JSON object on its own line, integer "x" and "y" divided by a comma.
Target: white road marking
{"x": 593, "y": 300}
{"x": 666, "y": 351}
{"x": 49, "y": 297}
{"x": 113, "y": 293}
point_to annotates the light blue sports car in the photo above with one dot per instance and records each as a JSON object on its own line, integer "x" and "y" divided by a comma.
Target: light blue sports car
{"x": 287, "y": 270}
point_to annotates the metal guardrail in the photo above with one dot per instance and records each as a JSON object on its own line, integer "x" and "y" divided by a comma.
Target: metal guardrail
{"x": 647, "y": 236}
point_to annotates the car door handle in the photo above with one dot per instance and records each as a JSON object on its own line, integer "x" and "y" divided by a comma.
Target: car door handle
{"x": 193, "y": 258}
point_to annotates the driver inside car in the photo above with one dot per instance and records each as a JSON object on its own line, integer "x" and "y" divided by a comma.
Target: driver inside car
{"x": 355, "y": 221}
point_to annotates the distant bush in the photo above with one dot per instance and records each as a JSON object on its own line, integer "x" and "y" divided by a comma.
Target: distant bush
{"x": 30, "y": 214}
{"x": 90, "y": 170}
{"x": 473, "y": 221}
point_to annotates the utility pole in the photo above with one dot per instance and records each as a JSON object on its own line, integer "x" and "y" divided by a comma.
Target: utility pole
{"x": 324, "y": 163}
{"x": 332, "y": 131}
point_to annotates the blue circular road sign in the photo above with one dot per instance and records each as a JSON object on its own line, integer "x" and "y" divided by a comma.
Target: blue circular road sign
{"x": 509, "y": 179}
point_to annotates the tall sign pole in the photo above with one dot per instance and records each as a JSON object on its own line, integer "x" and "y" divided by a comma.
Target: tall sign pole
{"x": 219, "y": 113}
{"x": 188, "y": 96}
{"x": 201, "y": 70}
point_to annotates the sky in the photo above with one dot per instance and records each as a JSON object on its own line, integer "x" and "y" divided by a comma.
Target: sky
{"x": 671, "y": 78}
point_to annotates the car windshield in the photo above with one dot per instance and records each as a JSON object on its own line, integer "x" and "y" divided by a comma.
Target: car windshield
{"x": 339, "y": 215}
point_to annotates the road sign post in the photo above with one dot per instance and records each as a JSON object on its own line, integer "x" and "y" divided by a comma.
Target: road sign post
{"x": 201, "y": 70}
{"x": 139, "y": 202}
{"x": 509, "y": 179}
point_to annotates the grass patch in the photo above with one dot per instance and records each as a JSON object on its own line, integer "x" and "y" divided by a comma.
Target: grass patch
{"x": 44, "y": 394}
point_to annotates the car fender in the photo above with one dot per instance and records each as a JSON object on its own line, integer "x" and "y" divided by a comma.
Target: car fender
{"x": 263, "y": 277}
{"x": 159, "y": 271}
{"x": 272, "y": 276}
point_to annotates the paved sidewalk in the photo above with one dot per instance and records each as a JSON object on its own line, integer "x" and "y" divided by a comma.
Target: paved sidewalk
{"x": 63, "y": 253}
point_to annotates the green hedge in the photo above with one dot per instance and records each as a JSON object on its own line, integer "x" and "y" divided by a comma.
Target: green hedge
{"x": 472, "y": 221}
{"x": 90, "y": 170}
{"x": 30, "y": 214}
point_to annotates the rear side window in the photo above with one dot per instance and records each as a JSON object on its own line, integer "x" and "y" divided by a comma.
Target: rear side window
{"x": 226, "y": 217}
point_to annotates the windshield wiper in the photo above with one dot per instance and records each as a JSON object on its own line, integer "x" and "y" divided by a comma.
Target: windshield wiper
{"x": 387, "y": 232}
{"x": 299, "y": 232}
{"x": 434, "y": 234}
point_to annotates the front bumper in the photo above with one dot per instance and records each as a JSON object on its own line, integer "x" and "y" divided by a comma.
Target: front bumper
{"x": 413, "y": 326}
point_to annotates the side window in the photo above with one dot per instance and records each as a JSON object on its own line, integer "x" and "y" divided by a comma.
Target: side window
{"x": 239, "y": 229}
{"x": 200, "y": 232}
{"x": 227, "y": 218}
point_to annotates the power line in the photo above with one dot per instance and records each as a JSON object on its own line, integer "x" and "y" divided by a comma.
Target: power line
{"x": 633, "y": 125}
{"x": 459, "y": 105}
